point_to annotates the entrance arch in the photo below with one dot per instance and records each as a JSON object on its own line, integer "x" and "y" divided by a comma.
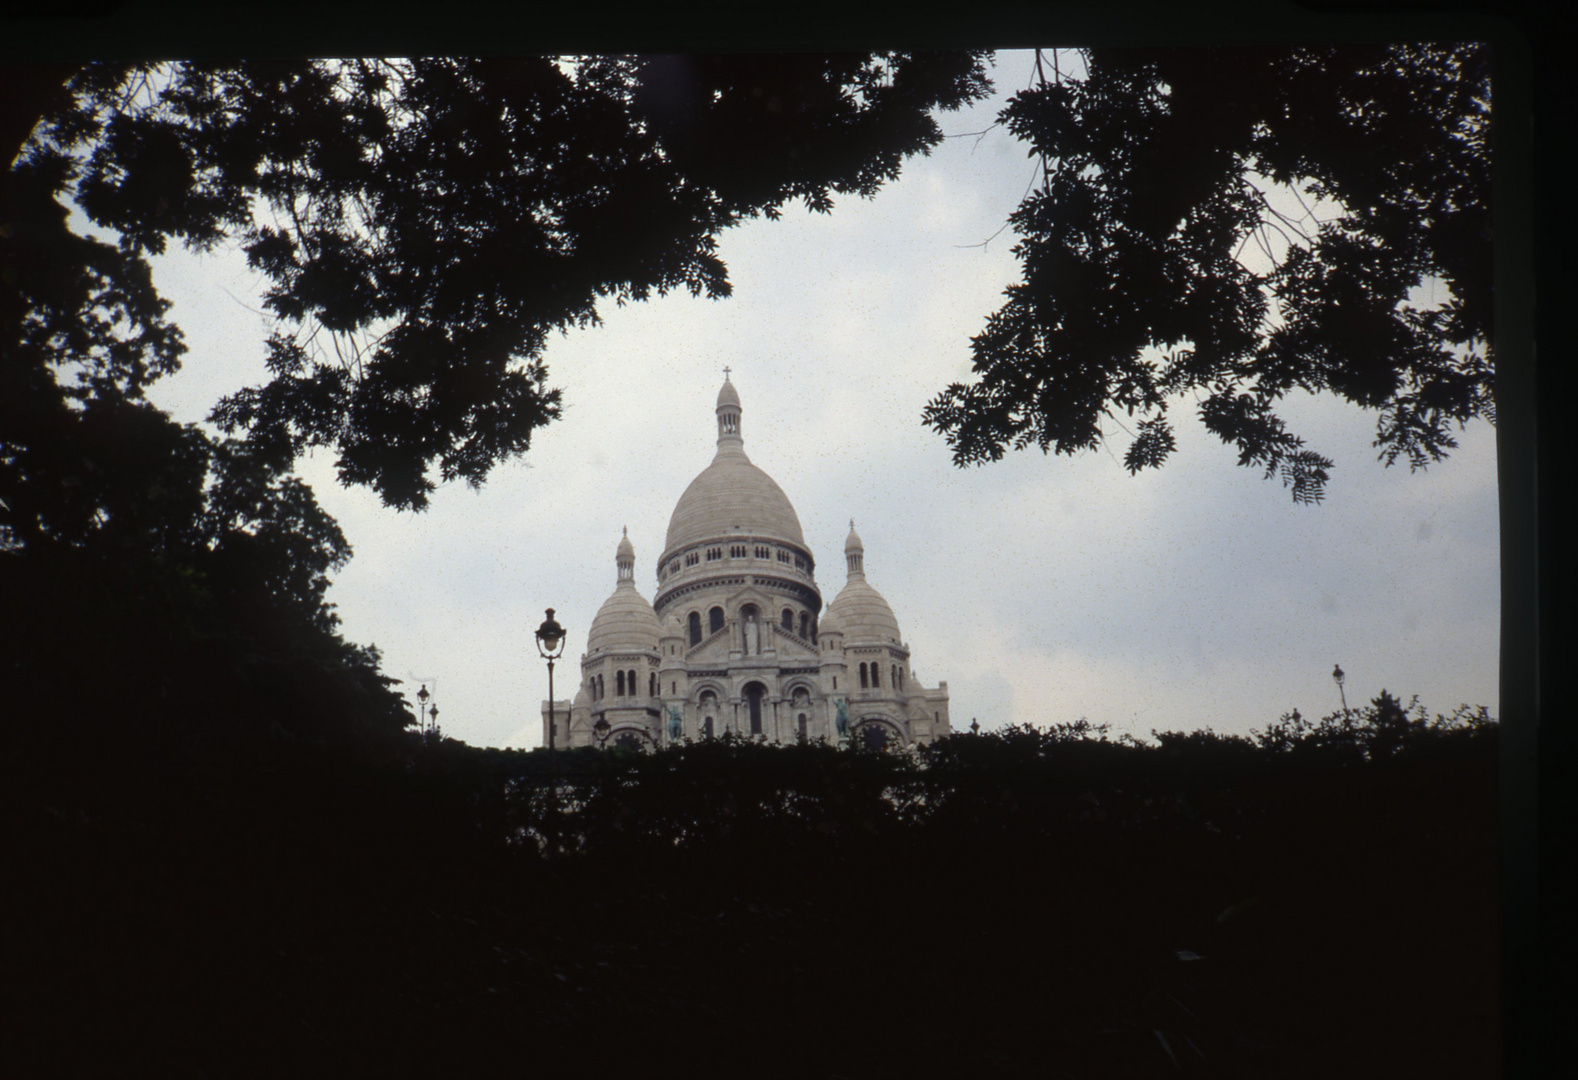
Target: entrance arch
{"x": 879, "y": 733}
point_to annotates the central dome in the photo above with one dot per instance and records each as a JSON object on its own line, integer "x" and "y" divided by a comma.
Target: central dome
{"x": 731, "y": 497}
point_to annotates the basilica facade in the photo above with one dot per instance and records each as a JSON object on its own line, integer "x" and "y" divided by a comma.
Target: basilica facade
{"x": 736, "y": 638}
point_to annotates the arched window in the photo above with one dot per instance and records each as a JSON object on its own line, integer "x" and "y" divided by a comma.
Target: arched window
{"x": 805, "y": 625}
{"x": 709, "y": 705}
{"x": 893, "y": 676}
{"x": 863, "y": 677}
{"x": 630, "y": 683}
{"x": 619, "y": 684}
{"x": 715, "y": 620}
{"x": 753, "y": 698}
{"x": 695, "y": 628}
{"x": 800, "y": 725}
{"x": 652, "y": 685}
{"x": 599, "y": 688}
{"x": 788, "y": 620}
{"x": 876, "y": 669}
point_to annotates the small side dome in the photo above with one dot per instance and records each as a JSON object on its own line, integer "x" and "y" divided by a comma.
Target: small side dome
{"x": 626, "y": 620}
{"x": 626, "y": 550}
{"x": 728, "y": 395}
{"x": 828, "y": 623}
{"x": 862, "y": 616}
{"x": 859, "y": 611}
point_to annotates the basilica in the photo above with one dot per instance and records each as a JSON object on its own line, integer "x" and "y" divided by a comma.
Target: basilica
{"x": 736, "y": 639}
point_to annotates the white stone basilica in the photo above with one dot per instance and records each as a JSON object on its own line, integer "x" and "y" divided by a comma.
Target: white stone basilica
{"x": 733, "y": 640}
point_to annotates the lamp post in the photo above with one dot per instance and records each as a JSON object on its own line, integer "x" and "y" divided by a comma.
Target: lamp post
{"x": 1338, "y": 677}
{"x": 601, "y": 730}
{"x": 975, "y": 727}
{"x": 550, "y": 645}
{"x": 427, "y": 715}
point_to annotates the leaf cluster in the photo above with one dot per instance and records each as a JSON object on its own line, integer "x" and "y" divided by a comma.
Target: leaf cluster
{"x": 426, "y": 225}
{"x": 1162, "y": 167}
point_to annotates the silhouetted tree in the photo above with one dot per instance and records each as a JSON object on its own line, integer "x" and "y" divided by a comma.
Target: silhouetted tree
{"x": 1158, "y": 164}
{"x": 425, "y": 225}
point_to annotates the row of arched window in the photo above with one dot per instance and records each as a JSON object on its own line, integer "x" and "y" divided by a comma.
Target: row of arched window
{"x": 707, "y": 706}
{"x": 624, "y": 685}
{"x": 871, "y": 676}
{"x": 715, "y": 620}
{"x": 736, "y": 551}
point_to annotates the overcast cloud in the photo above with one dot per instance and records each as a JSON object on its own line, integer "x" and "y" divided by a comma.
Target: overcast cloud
{"x": 1042, "y": 589}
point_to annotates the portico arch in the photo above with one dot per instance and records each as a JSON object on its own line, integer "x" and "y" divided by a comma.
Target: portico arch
{"x": 879, "y": 732}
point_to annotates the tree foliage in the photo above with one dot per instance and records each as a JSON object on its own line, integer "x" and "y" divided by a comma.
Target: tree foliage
{"x": 426, "y": 225}
{"x": 1162, "y": 168}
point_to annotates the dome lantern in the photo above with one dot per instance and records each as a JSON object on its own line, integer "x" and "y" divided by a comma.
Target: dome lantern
{"x": 854, "y": 552}
{"x": 625, "y": 559}
{"x": 729, "y": 414}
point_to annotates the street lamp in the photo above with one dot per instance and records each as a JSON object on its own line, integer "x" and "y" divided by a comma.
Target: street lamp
{"x": 427, "y": 716}
{"x": 601, "y": 730}
{"x": 550, "y": 645}
{"x": 1338, "y": 676}
{"x": 975, "y": 727}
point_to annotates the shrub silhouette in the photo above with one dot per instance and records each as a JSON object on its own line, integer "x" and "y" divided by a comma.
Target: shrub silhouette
{"x": 1015, "y": 902}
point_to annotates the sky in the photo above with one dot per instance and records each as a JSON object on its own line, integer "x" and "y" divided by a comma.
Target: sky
{"x": 1042, "y": 589}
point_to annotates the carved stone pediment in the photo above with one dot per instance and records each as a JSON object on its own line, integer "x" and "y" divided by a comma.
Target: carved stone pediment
{"x": 751, "y": 594}
{"x": 791, "y": 646}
